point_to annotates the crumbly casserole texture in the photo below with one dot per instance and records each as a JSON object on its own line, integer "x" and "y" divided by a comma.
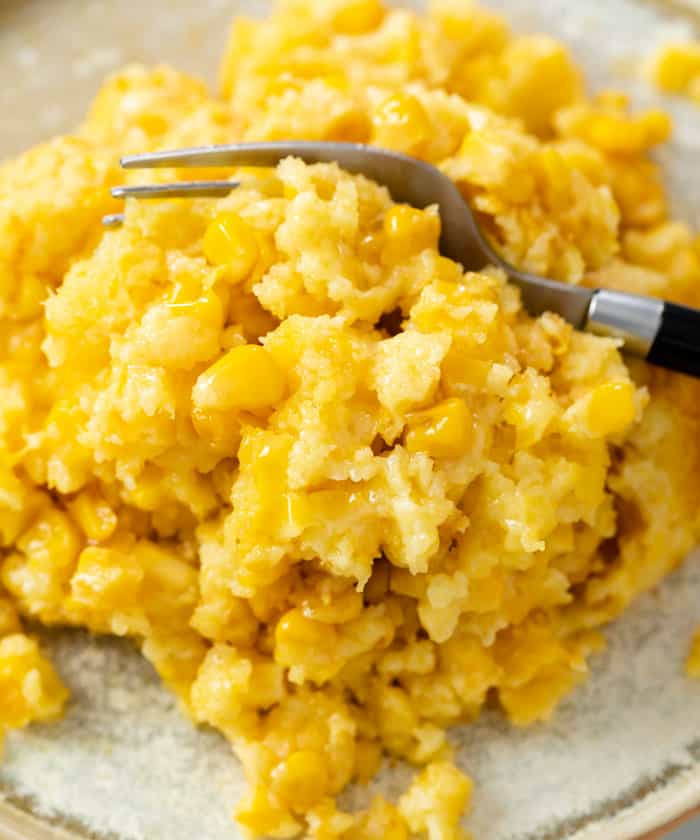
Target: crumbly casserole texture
{"x": 340, "y": 491}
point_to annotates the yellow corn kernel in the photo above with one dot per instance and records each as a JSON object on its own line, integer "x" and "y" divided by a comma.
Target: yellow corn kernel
{"x": 459, "y": 372}
{"x": 168, "y": 576}
{"x": 294, "y": 629}
{"x": 611, "y": 409}
{"x": 218, "y": 429}
{"x": 265, "y": 457}
{"x": 556, "y": 177}
{"x": 406, "y": 48}
{"x": 15, "y": 498}
{"x": 204, "y": 305}
{"x": 266, "y": 685}
{"x": 338, "y": 80}
{"x": 620, "y": 134}
{"x": 444, "y": 431}
{"x": 395, "y": 717}
{"x": 486, "y": 593}
{"x": 187, "y": 288}
{"x": 29, "y": 686}
{"x": 368, "y": 759}
{"x": 225, "y": 618}
{"x": 28, "y": 298}
{"x": 692, "y": 663}
{"x": 95, "y": 517}
{"x": 312, "y": 643}
{"x": 658, "y": 126}
{"x": 106, "y": 579}
{"x": 190, "y": 297}
{"x": 220, "y": 690}
{"x": 9, "y": 620}
{"x": 260, "y": 817}
{"x": 370, "y": 246}
{"x": 52, "y": 542}
{"x": 231, "y": 242}
{"x": 579, "y": 155}
{"x": 247, "y": 378}
{"x": 675, "y": 66}
{"x": 400, "y": 123}
{"x": 333, "y": 607}
{"x": 351, "y": 126}
{"x": 355, "y": 17}
{"x": 14, "y": 519}
{"x": 300, "y": 780}
{"x": 408, "y": 231}
{"x": 613, "y": 133}
{"x": 229, "y": 682}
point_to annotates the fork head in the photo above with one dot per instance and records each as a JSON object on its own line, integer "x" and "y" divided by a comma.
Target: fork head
{"x": 408, "y": 180}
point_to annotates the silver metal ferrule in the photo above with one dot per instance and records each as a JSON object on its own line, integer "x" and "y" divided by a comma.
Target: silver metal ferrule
{"x": 634, "y": 319}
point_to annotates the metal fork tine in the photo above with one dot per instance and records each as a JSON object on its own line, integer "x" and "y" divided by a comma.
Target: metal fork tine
{"x": 420, "y": 184}
{"x": 244, "y": 154}
{"x": 113, "y": 220}
{"x": 178, "y": 189}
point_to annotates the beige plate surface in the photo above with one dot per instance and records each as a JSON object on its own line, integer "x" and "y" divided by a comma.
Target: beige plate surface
{"x": 620, "y": 759}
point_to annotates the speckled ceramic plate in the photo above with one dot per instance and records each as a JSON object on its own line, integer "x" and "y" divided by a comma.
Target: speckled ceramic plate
{"x": 622, "y": 756}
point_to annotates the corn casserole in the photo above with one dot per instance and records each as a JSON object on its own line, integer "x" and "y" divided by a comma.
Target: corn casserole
{"x": 340, "y": 491}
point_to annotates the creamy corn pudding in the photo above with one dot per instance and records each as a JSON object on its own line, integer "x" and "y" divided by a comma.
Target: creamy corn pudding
{"x": 340, "y": 491}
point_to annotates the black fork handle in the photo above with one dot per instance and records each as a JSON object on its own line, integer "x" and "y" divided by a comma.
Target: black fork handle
{"x": 677, "y": 343}
{"x": 663, "y": 333}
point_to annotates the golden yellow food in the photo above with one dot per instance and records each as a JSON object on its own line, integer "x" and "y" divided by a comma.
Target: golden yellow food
{"x": 692, "y": 664}
{"x": 675, "y": 68}
{"x": 339, "y": 490}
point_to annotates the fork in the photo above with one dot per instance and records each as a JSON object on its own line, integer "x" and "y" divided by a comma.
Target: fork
{"x": 661, "y": 332}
